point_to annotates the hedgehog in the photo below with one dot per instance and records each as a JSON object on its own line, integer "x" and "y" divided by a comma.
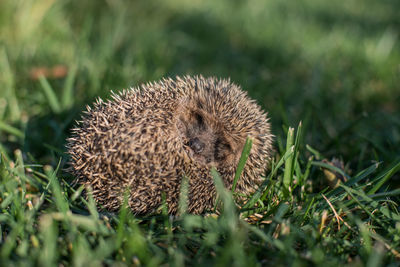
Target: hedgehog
{"x": 146, "y": 140}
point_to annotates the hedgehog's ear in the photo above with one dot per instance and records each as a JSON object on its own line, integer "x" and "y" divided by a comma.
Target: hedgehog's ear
{"x": 222, "y": 148}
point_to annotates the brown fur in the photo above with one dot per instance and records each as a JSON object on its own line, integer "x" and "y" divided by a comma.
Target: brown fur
{"x": 147, "y": 139}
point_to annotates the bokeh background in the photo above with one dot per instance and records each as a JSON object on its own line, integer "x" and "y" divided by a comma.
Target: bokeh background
{"x": 334, "y": 65}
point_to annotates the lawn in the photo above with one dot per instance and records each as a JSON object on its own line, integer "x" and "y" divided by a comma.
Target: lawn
{"x": 327, "y": 73}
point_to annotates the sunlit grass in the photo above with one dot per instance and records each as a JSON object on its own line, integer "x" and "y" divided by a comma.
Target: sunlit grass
{"x": 280, "y": 223}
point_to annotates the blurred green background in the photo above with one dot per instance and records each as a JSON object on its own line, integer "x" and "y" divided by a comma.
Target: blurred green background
{"x": 335, "y": 65}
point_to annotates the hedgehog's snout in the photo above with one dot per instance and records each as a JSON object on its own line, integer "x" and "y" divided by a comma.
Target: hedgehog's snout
{"x": 196, "y": 145}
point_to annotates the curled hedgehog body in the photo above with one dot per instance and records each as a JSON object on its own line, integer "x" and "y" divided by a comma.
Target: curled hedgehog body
{"x": 147, "y": 139}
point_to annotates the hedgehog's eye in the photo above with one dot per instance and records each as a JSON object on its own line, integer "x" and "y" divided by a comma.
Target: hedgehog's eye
{"x": 222, "y": 149}
{"x": 196, "y": 145}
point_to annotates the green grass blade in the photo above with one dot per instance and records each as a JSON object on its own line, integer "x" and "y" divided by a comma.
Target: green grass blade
{"x": 122, "y": 218}
{"x": 282, "y": 210}
{"x": 7, "y": 85}
{"x": 307, "y": 171}
{"x": 362, "y": 206}
{"x": 362, "y": 175}
{"x": 183, "y": 196}
{"x": 287, "y": 176}
{"x": 218, "y": 183}
{"x": 67, "y": 99}
{"x": 50, "y": 95}
{"x": 356, "y": 179}
{"x": 365, "y": 234}
{"x": 275, "y": 242}
{"x": 224, "y": 195}
{"x": 296, "y": 147}
{"x": 229, "y": 215}
{"x": 308, "y": 208}
{"x": 376, "y": 257}
{"x": 242, "y": 161}
{"x": 11, "y": 130}
{"x": 3, "y": 167}
{"x": 330, "y": 167}
{"x": 91, "y": 205}
{"x": 48, "y": 229}
{"x": 316, "y": 153}
{"x": 369, "y": 202}
{"x": 375, "y": 205}
{"x": 386, "y": 176}
{"x": 60, "y": 201}
{"x": 3, "y": 152}
{"x": 393, "y": 193}
{"x": 256, "y": 196}
{"x": 11, "y": 241}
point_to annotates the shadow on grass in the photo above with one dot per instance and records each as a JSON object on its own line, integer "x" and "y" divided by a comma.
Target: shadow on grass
{"x": 45, "y": 136}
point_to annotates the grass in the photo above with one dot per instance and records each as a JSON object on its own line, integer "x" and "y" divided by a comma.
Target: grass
{"x": 333, "y": 66}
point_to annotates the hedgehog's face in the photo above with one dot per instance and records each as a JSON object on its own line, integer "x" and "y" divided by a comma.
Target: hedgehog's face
{"x": 204, "y": 139}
